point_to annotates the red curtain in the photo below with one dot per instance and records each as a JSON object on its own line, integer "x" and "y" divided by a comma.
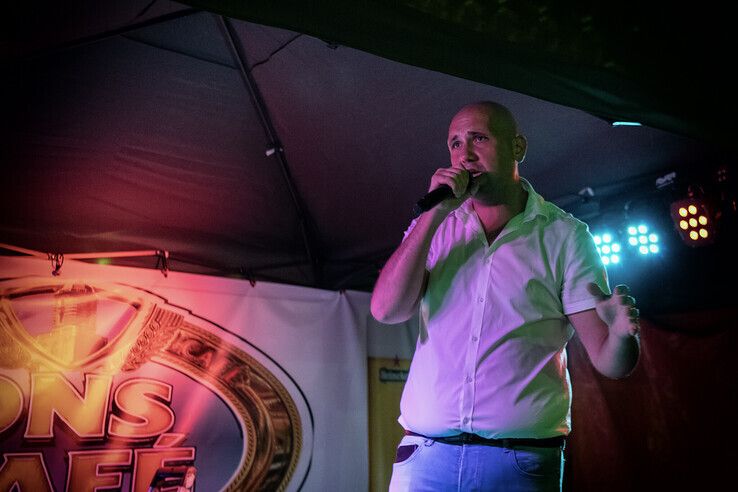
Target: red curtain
{"x": 671, "y": 424}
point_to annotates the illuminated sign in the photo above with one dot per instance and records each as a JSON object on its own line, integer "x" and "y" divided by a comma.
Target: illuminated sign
{"x": 104, "y": 385}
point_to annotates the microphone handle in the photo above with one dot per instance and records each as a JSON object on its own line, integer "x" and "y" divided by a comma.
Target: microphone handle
{"x": 432, "y": 198}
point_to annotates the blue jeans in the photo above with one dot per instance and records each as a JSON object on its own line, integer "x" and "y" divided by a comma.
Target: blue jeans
{"x": 434, "y": 466}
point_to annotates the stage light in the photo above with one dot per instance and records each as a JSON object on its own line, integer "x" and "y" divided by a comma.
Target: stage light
{"x": 625, "y": 123}
{"x": 644, "y": 241}
{"x": 608, "y": 248}
{"x": 693, "y": 221}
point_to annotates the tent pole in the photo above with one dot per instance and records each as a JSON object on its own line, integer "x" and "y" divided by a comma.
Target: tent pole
{"x": 276, "y": 150}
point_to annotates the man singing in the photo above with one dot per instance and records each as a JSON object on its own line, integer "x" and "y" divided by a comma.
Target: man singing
{"x": 502, "y": 279}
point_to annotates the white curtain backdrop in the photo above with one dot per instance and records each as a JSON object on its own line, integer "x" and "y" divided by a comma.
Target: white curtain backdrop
{"x": 314, "y": 341}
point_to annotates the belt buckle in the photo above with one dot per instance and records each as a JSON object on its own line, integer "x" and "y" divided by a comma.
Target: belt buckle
{"x": 469, "y": 438}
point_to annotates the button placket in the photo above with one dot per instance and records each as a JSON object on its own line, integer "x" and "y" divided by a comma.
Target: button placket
{"x": 466, "y": 407}
{"x": 469, "y": 390}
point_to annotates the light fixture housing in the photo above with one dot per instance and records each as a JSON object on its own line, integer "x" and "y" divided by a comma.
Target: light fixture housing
{"x": 693, "y": 222}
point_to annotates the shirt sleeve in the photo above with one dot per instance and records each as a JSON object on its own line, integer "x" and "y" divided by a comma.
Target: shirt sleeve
{"x": 409, "y": 229}
{"x": 583, "y": 265}
{"x": 431, "y": 254}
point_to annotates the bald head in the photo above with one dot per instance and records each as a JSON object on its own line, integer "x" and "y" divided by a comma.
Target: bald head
{"x": 501, "y": 120}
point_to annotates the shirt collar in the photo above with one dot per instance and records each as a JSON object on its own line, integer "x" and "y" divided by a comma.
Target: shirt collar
{"x": 534, "y": 206}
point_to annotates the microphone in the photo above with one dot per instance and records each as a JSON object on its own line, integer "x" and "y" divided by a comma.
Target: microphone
{"x": 434, "y": 197}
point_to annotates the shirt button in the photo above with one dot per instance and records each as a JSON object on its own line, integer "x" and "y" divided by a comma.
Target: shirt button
{"x": 468, "y": 379}
{"x": 475, "y": 338}
{"x": 481, "y": 299}
{"x": 466, "y": 420}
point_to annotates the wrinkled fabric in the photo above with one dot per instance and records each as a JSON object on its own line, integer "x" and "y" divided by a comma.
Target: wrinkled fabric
{"x": 490, "y": 355}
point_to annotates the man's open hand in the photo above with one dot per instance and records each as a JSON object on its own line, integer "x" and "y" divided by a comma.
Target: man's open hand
{"x": 618, "y": 310}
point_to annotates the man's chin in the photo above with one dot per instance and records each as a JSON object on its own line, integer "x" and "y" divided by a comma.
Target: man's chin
{"x": 485, "y": 198}
{"x": 485, "y": 192}
{"x": 480, "y": 184}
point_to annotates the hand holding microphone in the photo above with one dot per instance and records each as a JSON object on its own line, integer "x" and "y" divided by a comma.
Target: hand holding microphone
{"x": 449, "y": 187}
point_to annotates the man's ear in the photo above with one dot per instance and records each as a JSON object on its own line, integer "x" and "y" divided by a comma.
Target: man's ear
{"x": 520, "y": 147}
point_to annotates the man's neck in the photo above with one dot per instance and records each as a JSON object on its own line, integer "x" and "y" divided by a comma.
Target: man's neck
{"x": 495, "y": 216}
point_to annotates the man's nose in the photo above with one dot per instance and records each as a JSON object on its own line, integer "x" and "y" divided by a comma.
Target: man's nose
{"x": 469, "y": 154}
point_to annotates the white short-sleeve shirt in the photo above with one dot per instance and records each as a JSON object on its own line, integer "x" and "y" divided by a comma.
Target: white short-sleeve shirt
{"x": 490, "y": 355}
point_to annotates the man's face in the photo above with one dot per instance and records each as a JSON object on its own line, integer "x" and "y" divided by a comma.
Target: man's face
{"x": 478, "y": 143}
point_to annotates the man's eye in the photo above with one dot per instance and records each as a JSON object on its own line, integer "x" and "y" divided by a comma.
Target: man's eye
{"x": 480, "y": 138}
{"x": 455, "y": 144}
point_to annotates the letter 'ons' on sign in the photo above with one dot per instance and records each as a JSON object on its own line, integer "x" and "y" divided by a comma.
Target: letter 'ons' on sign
{"x": 140, "y": 411}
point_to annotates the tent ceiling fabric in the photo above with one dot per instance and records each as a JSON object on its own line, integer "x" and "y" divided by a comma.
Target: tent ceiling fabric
{"x": 120, "y": 137}
{"x": 632, "y": 60}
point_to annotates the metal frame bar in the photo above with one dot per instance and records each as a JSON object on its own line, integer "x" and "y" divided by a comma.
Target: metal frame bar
{"x": 305, "y": 221}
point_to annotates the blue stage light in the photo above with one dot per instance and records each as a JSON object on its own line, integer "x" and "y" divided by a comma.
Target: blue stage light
{"x": 608, "y": 247}
{"x": 646, "y": 241}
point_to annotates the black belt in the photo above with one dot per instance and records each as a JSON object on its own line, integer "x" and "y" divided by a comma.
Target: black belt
{"x": 505, "y": 442}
